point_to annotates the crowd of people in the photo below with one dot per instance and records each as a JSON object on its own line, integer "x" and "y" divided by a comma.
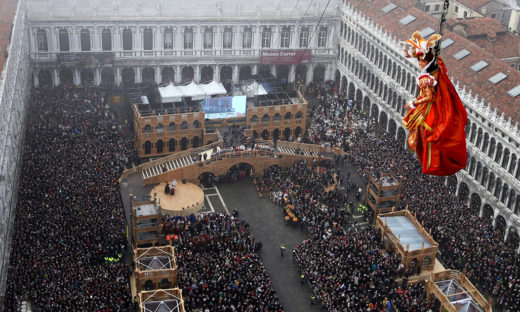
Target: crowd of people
{"x": 219, "y": 264}
{"x": 467, "y": 243}
{"x": 69, "y": 216}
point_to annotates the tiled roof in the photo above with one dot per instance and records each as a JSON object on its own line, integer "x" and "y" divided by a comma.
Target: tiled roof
{"x": 479, "y": 26}
{"x": 474, "y": 4}
{"x": 478, "y": 82}
{"x": 7, "y": 10}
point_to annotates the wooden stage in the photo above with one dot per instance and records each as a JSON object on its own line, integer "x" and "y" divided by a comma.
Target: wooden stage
{"x": 188, "y": 199}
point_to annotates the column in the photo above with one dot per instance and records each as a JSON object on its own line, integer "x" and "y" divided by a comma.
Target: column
{"x": 178, "y": 38}
{"x": 158, "y": 74}
{"x": 119, "y": 79}
{"x": 116, "y": 38}
{"x": 76, "y": 77}
{"x": 275, "y": 43}
{"x": 56, "y": 77}
{"x": 177, "y": 73}
{"x": 273, "y": 70}
{"x": 196, "y": 74}
{"x": 238, "y": 37}
{"x": 292, "y": 74}
{"x": 158, "y": 38}
{"x": 138, "y": 74}
{"x": 481, "y": 212}
{"x": 218, "y": 42}
{"x": 216, "y": 74}
{"x": 137, "y": 34}
{"x": 254, "y": 70}
{"x": 256, "y": 37}
{"x": 508, "y": 227}
{"x": 235, "y": 73}
{"x": 97, "y": 76}
{"x": 36, "y": 80}
{"x": 94, "y": 40}
{"x": 310, "y": 73}
{"x": 74, "y": 42}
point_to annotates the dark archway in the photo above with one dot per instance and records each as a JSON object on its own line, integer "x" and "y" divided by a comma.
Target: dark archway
{"x": 147, "y": 147}
{"x": 351, "y": 91}
{"x": 44, "y": 78}
{"x": 392, "y": 127}
{"x": 401, "y": 136}
{"x": 282, "y": 73}
{"x": 276, "y": 133}
{"x": 359, "y": 96}
{"x": 171, "y": 145}
{"x": 264, "y": 71}
{"x": 107, "y": 76}
{"x": 301, "y": 73}
{"x": 184, "y": 144}
{"x": 66, "y": 76}
{"x": 265, "y": 134}
{"x": 160, "y": 146}
{"x": 240, "y": 171}
{"x": 244, "y": 73}
{"x": 148, "y": 75}
{"x": 128, "y": 76}
{"x": 226, "y": 74}
{"x": 287, "y": 133}
{"x": 187, "y": 74}
{"x": 488, "y": 213}
{"x": 475, "y": 202}
{"x": 344, "y": 83}
{"x": 195, "y": 142}
{"x": 297, "y": 132}
{"x": 383, "y": 120}
{"x": 500, "y": 225}
{"x": 318, "y": 75}
{"x": 87, "y": 76}
{"x": 463, "y": 192}
{"x": 206, "y": 74}
{"x": 207, "y": 179}
{"x": 168, "y": 74}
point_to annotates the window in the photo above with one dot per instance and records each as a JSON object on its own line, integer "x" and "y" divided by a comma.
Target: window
{"x": 85, "y": 40}
{"x": 456, "y": 9}
{"x": 461, "y": 54}
{"x": 188, "y": 38}
{"x": 465, "y": 14}
{"x": 148, "y": 39}
{"x": 247, "y": 38}
{"x": 106, "y": 39}
{"x": 497, "y": 78}
{"x": 168, "y": 38}
{"x": 227, "y": 40}
{"x": 322, "y": 37}
{"x": 437, "y": 7}
{"x": 479, "y": 66}
{"x": 304, "y": 37}
{"x": 407, "y": 19}
{"x": 389, "y": 8}
{"x": 208, "y": 38}
{"x": 64, "y": 40}
{"x": 266, "y": 38}
{"x": 285, "y": 39}
{"x": 127, "y": 39}
{"x": 41, "y": 38}
{"x": 427, "y": 8}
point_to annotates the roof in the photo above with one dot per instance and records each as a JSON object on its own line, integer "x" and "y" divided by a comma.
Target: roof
{"x": 479, "y": 26}
{"x": 406, "y": 231}
{"x": 497, "y": 95}
{"x": 474, "y": 4}
{"x": 6, "y": 20}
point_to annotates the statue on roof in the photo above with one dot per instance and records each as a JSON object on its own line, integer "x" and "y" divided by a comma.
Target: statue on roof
{"x": 437, "y": 118}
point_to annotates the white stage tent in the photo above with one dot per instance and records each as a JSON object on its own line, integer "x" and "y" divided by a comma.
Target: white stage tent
{"x": 172, "y": 93}
{"x": 254, "y": 89}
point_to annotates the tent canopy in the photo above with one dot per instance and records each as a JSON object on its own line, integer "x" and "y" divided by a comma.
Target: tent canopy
{"x": 193, "y": 90}
{"x": 213, "y": 88}
{"x": 171, "y": 93}
{"x": 254, "y": 89}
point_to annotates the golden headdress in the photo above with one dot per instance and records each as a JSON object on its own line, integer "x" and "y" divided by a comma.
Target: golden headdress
{"x": 421, "y": 46}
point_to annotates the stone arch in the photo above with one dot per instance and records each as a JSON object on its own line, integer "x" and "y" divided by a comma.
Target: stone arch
{"x": 401, "y": 136}
{"x": 168, "y": 74}
{"x": 242, "y": 168}
{"x": 491, "y": 182}
{"x": 513, "y": 162}
{"x": 276, "y": 133}
{"x": 148, "y": 75}
{"x": 452, "y": 182}
{"x": 253, "y": 119}
{"x": 463, "y": 193}
{"x": 265, "y": 134}
{"x": 511, "y": 200}
{"x": 266, "y": 118}
{"x": 195, "y": 142}
{"x": 318, "y": 74}
{"x": 499, "y": 152}
{"x": 184, "y": 144}
{"x": 475, "y": 202}
{"x": 206, "y": 74}
{"x": 287, "y": 133}
{"x": 244, "y": 73}
{"x": 383, "y": 119}
{"x": 45, "y": 78}
{"x": 282, "y": 72}
{"x": 128, "y": 76}
{"x": 516, "y": 205}
{"x": 505, "y": 158}
{"x": 147, "y": 147}
{"x": 366, "y": 104}
{"x": 342, "y": 55}
{"x": 351, "y": 91}
{"x": 491, "y": 150}
{"x": 159, "y": 146}
{"x": 344, "y": 83}
{"x": 392, "y": 127}
{"x": 297, "y": 132}
{"x": 500, "y": 224}
{"x": 504, "y": 193}
{"x": 66, "y": 77}
{"x": 107, "y": 76}
{"x": 374, "y": 112}
{"x": 226, "y": 74}
{"x": 359, "y": 96}
{"x": 187, "y": 74}
{"x": 207, "y": 179}
{"x": 171, "y": 145}
{"x": 478, "y": 172}
{"x": 487, "y": 212}
{"x": 264, "y": 71}
{"x": 472, "y": 164}
{"x": 498, "y": 188}
{"x": 301, "y": 73}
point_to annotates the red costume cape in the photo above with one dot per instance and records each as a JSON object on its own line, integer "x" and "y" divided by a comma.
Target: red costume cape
{"x": 445, "y": 152}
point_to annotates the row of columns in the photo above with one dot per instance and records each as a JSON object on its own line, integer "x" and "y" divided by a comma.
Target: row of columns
{"x": 117, "y": 71}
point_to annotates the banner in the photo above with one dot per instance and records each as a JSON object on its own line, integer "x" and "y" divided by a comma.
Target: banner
{"x": 285, "y": 57}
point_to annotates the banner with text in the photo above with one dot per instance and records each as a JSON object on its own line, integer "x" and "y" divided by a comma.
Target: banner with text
{"x": 286, "y": 57}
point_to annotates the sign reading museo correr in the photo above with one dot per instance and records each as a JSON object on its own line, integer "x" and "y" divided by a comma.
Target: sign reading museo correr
{"x": 287, "y": 57}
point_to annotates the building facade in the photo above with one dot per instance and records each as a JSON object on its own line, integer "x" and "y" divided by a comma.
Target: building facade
{"x": 14, "y": 86}
{"x": 373, "y": 71}
{"x": 195, "y": 41}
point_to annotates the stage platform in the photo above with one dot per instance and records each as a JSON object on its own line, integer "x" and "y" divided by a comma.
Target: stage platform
{"x": 188, "y": 199}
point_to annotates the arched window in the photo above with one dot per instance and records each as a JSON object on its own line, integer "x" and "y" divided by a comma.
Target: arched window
{"x": 172, "y": 126}
{"x": 196, "y": 124}
{"x": 168, "y": 38}
{"x": 285, "y": 38}
{"x": 41, "y": 38}
{"x": 288, "y": 116}
{"x": 266, "y": 37}
{"x": 171, "y": 145}
{"x": 322, "y": 37}
{"x": 188, "y": 38}
{"x": 64, "y": 40}
{"x": 85, "y": 40}
{"x": 227, "y": 40}
{"x": 148, "y": 39}
{"x": 147, "y": 129}
{"x": 208, "y": 38}
{"x": 247, "y": 38}
{"x": 106, "y": 39}
{"x": 304, "y": 37}
{"x": 127, "y": 39}
{"x": 159, "y": 128}
{"x": 184, "y": 125}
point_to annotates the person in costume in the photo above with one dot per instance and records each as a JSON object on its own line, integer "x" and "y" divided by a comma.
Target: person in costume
{"x": 436, "y": 119}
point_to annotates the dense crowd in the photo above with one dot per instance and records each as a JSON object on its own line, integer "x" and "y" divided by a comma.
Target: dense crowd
{"x": 69, "y": 214}
{"x": 467, "y": 242}
{"x": 219, "y": 264}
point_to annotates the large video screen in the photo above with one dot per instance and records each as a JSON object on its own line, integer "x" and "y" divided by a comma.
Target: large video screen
{"x": 224, "y": 107}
